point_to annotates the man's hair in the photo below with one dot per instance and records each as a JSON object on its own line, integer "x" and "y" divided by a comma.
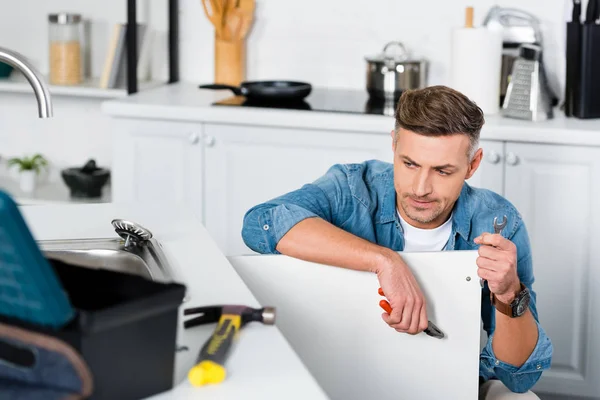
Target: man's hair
{"x": 439, "y": 111}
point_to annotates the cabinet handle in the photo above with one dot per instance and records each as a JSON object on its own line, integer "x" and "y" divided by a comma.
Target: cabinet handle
{"x": 194, "y": 138}
{"x": 512, "y": 158}
{"x": 209, "y": 141}
{"x": 493, "y": 157}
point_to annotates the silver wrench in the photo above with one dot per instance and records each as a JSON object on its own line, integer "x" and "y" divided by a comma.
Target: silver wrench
{"x": 498, "y": 227}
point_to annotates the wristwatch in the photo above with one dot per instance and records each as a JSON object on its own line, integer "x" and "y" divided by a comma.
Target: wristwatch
{"x": 518, "y": 306}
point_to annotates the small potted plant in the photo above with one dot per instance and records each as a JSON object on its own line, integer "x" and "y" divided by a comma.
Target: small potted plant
{"x": 29, "y": 167}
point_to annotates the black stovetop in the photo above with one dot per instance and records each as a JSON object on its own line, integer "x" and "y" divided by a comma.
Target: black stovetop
{"x": 324, "y": 100}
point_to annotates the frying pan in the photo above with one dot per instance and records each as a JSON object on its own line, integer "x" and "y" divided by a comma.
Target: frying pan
{"x": 267, "y": 90}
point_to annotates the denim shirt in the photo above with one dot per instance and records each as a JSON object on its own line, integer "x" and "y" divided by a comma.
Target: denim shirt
{"x": 361, "y": 199}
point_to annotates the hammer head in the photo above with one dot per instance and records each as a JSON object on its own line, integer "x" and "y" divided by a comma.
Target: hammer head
{"x": 211, "y": 314}
{"x": 266, "y": 315}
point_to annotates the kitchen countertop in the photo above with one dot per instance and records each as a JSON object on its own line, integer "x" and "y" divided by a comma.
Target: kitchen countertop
{"x": 185, "y": 102}
{"x": 262, "y": 365}
{"x": 48, "y": 193}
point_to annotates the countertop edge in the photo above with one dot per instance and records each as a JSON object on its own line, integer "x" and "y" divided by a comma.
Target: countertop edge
{"x": 184, "y": 103}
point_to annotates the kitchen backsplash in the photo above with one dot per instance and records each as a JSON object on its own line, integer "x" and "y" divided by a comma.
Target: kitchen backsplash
{"x": 325, "y": 42}
{"x": 321, "y": 41}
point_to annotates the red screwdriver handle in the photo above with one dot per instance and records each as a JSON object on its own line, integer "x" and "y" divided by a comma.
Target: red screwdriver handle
{"x": 384, "y": 303}
{"x": 386, "y": 306}
{"x": 431, "y": 330}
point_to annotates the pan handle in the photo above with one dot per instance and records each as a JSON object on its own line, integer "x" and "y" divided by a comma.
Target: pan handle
{"x": 217, "y": 86}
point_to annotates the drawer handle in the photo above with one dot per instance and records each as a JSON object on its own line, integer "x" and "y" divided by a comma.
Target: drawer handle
{"x": 209, "y": 141}
{"x": 512, "y": 158}
{"x": 194, "y": 138}
{"x": 493, "y": 157}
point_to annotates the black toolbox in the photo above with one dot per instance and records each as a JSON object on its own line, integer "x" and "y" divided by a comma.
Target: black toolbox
{"x": 125, "y": 329}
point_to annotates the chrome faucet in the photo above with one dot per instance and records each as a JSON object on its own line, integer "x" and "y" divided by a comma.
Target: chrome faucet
{"x": 35, "y": 79}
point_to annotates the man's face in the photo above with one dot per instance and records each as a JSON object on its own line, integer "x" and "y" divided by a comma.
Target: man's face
{"x": 429, "y": 173}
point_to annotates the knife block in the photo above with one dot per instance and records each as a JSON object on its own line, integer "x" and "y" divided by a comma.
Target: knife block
{"x": 230, "y": 61}
{"x": 582, "y": 91}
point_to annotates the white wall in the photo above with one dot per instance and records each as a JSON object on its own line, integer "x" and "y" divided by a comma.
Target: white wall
{"x": 320, "y": 41}
{"x": 76, "y": 133}
{"x": 325, "y": 41}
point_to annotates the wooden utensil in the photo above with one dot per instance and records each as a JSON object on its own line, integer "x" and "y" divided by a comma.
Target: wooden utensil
{"x": 469, "y": 17}
{"x": 235, "y": 24}
{"x": 246, "y": 24}
{"x": 241, "y": 19}
{"x": 214, "y": 12}
{"x": 229, "y": 19}
{"x": 230, "y": 57}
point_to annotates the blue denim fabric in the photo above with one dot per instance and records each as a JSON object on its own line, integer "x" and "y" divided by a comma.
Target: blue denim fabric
{"x": 361, "y": 199}
{"x": 52, "y": 375}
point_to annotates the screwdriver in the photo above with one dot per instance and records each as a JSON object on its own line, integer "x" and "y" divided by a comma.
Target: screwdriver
{"x": 431, "y": 329}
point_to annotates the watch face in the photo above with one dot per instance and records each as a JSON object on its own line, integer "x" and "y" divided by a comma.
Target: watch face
{"x": 522, "y": 303}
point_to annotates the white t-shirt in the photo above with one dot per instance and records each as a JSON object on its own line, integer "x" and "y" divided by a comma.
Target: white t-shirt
{"x": 416, "y": 239}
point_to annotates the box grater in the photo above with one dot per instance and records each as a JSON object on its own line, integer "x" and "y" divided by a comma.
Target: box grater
{"x": 528, "y": 95}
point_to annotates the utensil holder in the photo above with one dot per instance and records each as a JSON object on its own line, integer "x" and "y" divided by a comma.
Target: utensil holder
{"x": 230, "y": 61}
{"x": 125, "y": 329}
{"x": 582, "y": 93}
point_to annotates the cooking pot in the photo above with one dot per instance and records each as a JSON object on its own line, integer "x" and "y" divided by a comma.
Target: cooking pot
{"x": 390, "y": 73}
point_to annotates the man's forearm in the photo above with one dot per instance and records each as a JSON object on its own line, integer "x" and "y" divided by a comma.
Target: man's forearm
{"x": 316, "y": 240}
{"x": 514, "y": 338}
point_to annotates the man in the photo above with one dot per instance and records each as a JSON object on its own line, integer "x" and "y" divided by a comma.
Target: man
{"x": 359, "y": 216}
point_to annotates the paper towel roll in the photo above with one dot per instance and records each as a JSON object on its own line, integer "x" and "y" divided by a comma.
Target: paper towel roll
{"x": 476, "y": 64}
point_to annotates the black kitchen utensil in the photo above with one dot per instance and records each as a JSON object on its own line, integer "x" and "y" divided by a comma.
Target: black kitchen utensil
{"x": 592, "y": 11}
{"x": 582, "y": 85}
{"x": 267, "y": 90}
{"x": 573, "y": 59}
{"x": 576, "y": 15}
{"x": 588, "y": 99}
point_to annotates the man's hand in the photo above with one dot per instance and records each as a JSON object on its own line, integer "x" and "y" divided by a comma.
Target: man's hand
{"x": 497, "y": 264}
{"x": 409, "y": 311}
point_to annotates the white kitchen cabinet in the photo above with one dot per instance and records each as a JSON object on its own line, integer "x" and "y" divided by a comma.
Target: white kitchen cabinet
{"x": 490, "y": 174}
{"x": 247, "y": 165}
{"x": 158, "y": 162}
{"x": 556, "y": 188}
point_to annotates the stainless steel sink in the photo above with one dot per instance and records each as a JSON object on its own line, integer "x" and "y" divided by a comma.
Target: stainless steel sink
{"x": 135, "y": 252}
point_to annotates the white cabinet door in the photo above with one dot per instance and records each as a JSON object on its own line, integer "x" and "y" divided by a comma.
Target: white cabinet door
{"x": 490, "y": 174}
{"x": 246, "y": 166}
{"x": 158, "y": 162}
{"x": 557, "y": 190}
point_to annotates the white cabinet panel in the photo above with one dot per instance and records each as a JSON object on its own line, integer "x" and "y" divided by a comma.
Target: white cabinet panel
{"x": 490, "y": 174}
{"x": 159, "y": 162}
{"x": 330, "y": 317}
{"x": 556, "y": 188}
{"x": 249, "y": 165}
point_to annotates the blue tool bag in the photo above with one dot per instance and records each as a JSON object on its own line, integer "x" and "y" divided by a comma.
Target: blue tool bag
{"x": 37, "y": 366}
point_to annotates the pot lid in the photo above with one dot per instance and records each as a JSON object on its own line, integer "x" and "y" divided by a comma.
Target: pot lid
{"x": 392, "y": 52}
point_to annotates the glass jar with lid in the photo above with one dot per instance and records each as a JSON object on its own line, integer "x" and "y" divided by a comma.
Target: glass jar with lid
{"x": 65, "y": 36}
